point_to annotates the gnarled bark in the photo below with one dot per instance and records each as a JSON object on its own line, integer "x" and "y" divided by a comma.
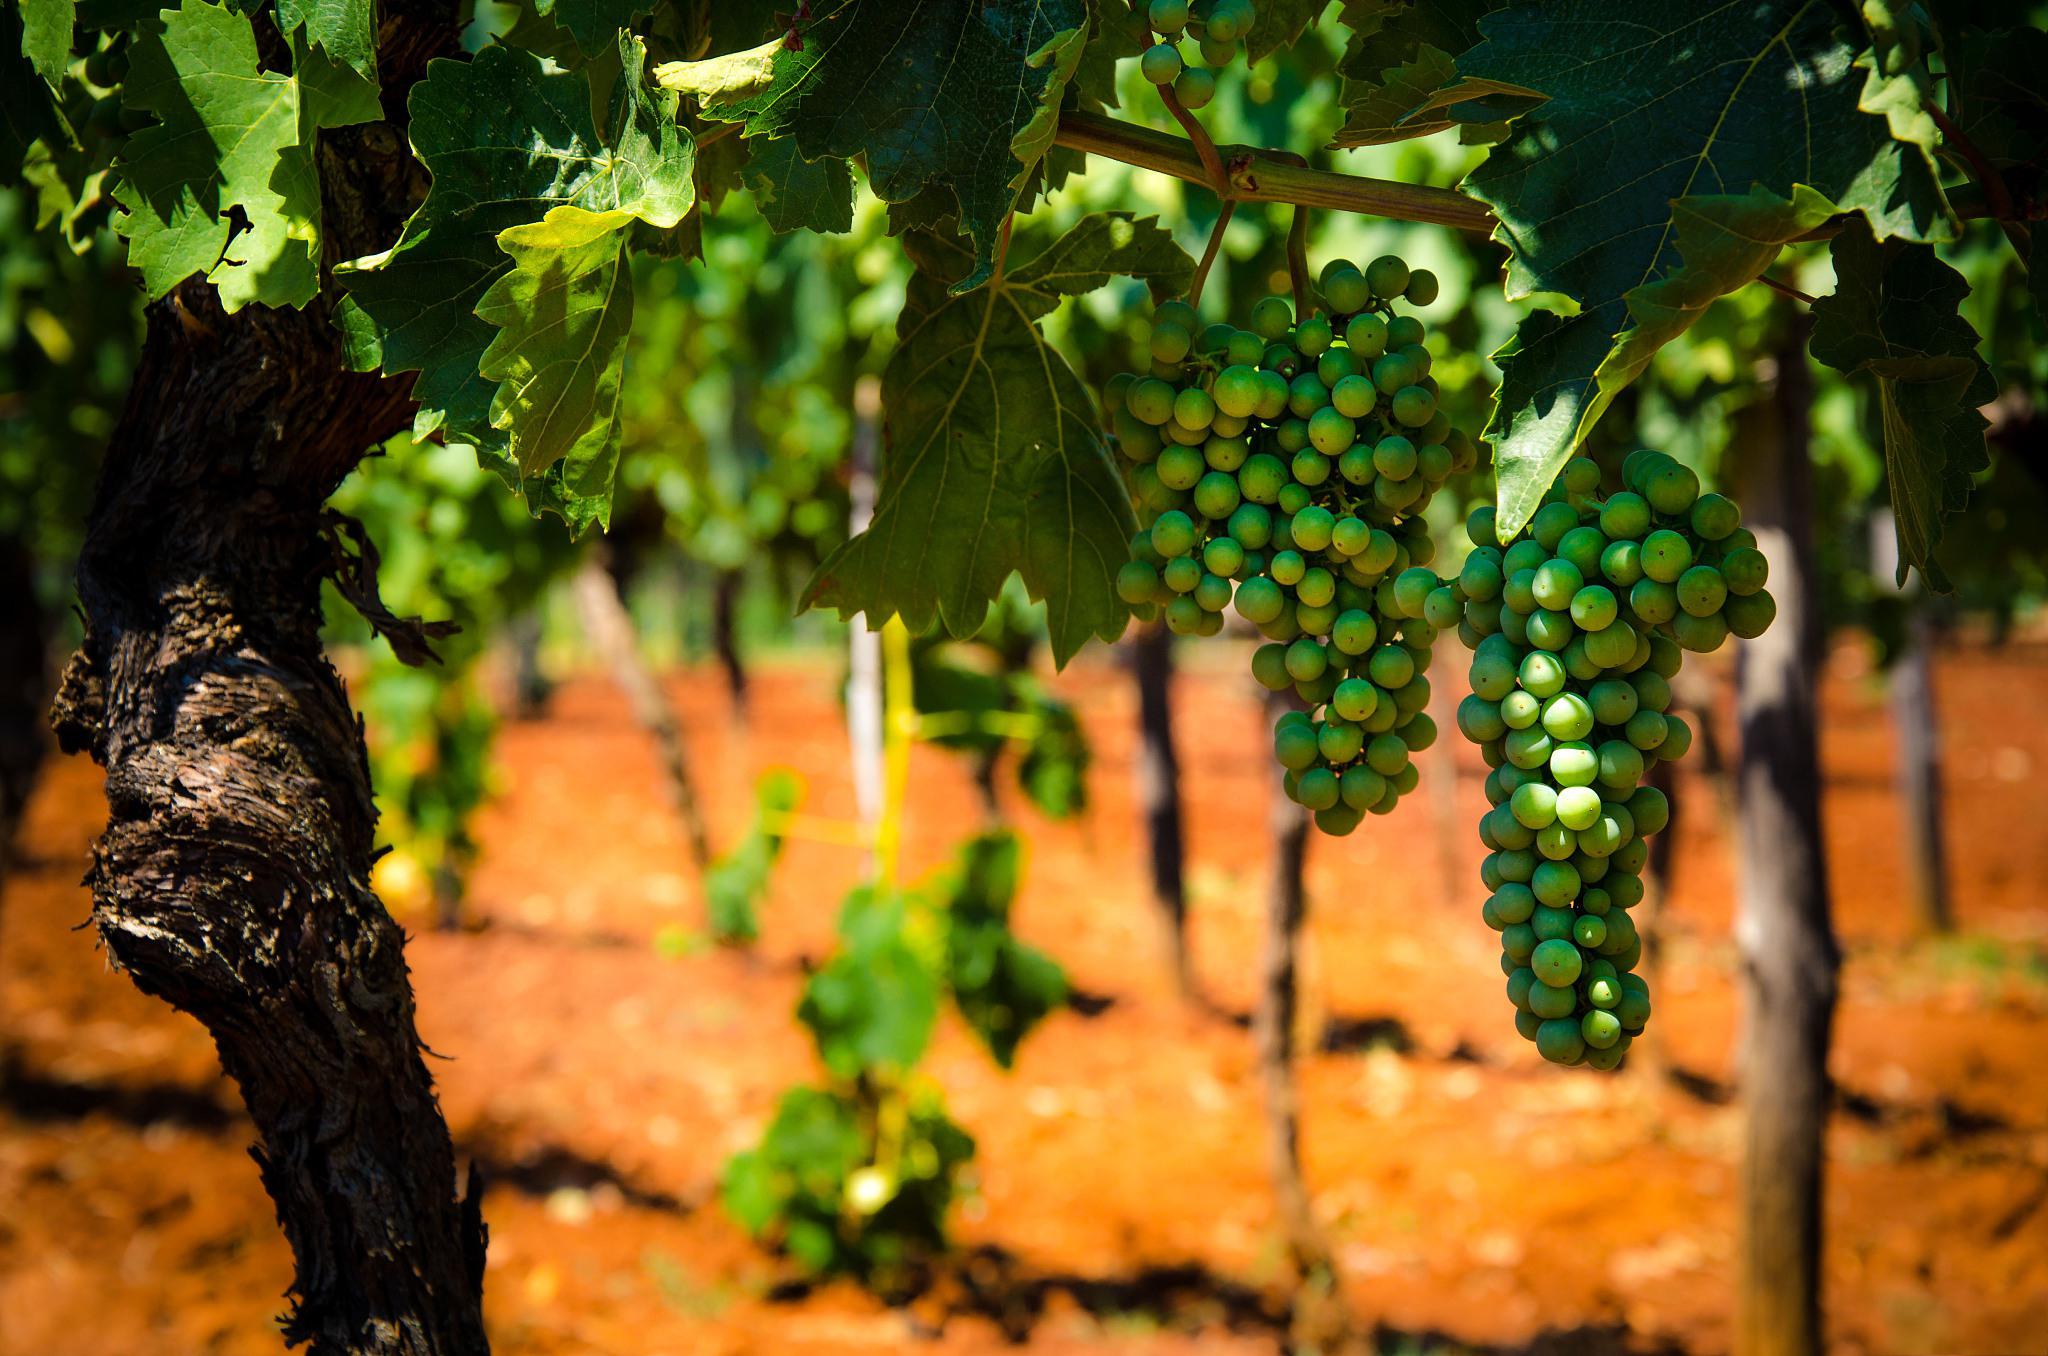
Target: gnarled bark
{"x": 233, "y": 877}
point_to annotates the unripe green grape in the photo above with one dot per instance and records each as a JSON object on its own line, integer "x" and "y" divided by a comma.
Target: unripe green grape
{"x": 1655, "y": 602}
{"x": 1312, "y": 527}
{"x": 1622, "y": 563}
{"x": 1306, "y": 660}
{"x": 1549, "y": 1001}
{"x": 1340, "y": 741}
{"x": 1354, "y": 632}
{"x": 1173, "y": 534}
{"x": 1347, "y": 291}
{"x": 1600, "y": 1029}
{"x": 1541, "y": 675}
{"x": 1334, "y": 365}
{"x": 1386, "y": 754}
{"x": 1294, "y": 745}
{"x": 1183, "y": 615}
{"x": 1312, "y": 335}
{"x": 1649, "y": 810}
{"x": 1223, "y": 555}
{"x": 1306, "y": 394}
{"x": 1515, "y": 626}
{"x": 1745, "y": 571}
{"x": 1388, "y": 276}
{"x": 1750, "y": 615}
{"x": 1272, "y": 318}
{"x": 1419, "y": 731}
{"x": 1215, "y": 338}
{"x": 1413, "y": 406}
{"x": 1261, "y": 477}
{"x": 1182, "y": 573}
{"x": 1637, "y": 465}
{"x": 1250, "y": 525}
{"x": 1578, "y": 807}
{"x": 1519, "y": 710}
{"x": 1315, "y": 620}
{"x": 1360, "y": 787}
{"x": 1218, "y": 52}
{"x": 1522, "y": 555}
{"x": 1287, "y": 567}
{"x": 1567, "y": 716}
{"x": 1550, "y": 524}
{"x": 1394, "y": 456}
{"x": 1653, "y": 690}
{"x": 1391, "y": 666}
{"x": 1701, "y": 591}
{"x": 1216, "y": 495}
{"x": 1317, "y": 587}
{"x": 1422, "y": 287}
{"x": 1666, "y": 556}
{"x": 1193, "y": 409}
{"x": 1625, "y": 516}
{"x": 1179, "y": 312}
{"x": 1161, "y": 64}
{"x": 1533, "y": 804}
{"x": 1236, "y": 391}
{"x": 1528, "y": 748}
{"x": 1621, "y": 765}
{"x": 1671, "y": 488}
{"x": 1613, "y": 701}
{"x": 1573, "y": 763}
{"x": 1646, "y": 729}
{"x": 1230, "y": 20}
{"x": 1412, "y": 588}
{"x": 1168, "y": 16}
{"x": 1392, "y": 371}
{"x": 1518, "y": 593}
{"x": 1269, "y": 663}
{"x": 1556, "y": 963}
{"x": 1137, "y": 582}
{"x": 1714, "y": 516}
{"x": 1366, "y": 335}
{"x": 1581, "y": 476}
{"x": 1316, "y": 788}
{"x": 1151, "y": 400}
{"x": 1355, "y": 699}
{"x": 1701, "y": 635}
{"x": 1354, "y": 396}
{"x": 1181, "y": 468}
{"x": 1550, "y": 630}
{"x": 1225, "y": 454}
{"x": 1194, "y": 87}
{"x": 1135, "y": 438}
{"x": 1212, "y": 592}
{"x": 1244, "y": 349}
{"x": 1170, "y": 343}
{"x": 1330, "y": 433}
{"x": 1491, "y": 676}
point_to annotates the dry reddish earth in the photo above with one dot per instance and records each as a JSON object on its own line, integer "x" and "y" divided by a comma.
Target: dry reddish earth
{"x": 1476, "y": 1198}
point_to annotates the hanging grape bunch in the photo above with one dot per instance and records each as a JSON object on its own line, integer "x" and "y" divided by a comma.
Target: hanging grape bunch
{"x": 1286, "y": 469}
{"x": 1216, "y": 26}
{"x": 1576, "y": 628}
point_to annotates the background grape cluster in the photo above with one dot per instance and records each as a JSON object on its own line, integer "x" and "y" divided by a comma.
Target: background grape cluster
{"x": 1576, "y": 628}
{"x": 1285, "y": 468}
{"x": 1216, "y": 27}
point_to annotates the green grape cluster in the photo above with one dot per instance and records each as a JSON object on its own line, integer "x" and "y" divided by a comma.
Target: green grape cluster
{"x": 1576, "y": 628}
{"x": 1284, "y": 468}
{"x": 1216, "y": 27}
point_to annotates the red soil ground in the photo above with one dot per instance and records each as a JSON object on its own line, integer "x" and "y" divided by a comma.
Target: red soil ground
{"x": 1476, "y": 1198}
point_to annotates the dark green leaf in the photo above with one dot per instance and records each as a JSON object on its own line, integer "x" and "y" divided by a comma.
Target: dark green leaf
{"x": 344, "y": 30}
{"x": 1002, "y": 987}
{"x": 924, "y": 90}
{"x": 1279, "y": 23}
{"x": 875, "y": 1004}
{"x": 46, "y": 36}
{"x": 1643, "y": 210}
{"x": 736, "y": 881}
{"x": 27, "y": 114}
{"x": 795, "y": 194}
{"x": 595, "y": 23}
{"x": 995, "y": 463}
{"x": 1893, "y": 317}
{"x": 1400, "y": 68}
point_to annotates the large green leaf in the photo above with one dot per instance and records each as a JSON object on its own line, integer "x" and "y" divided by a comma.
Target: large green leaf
{"x": 875, "y": 1004}
{"x": 344, "y": 30}
{"x": 795, "y": 194}
{"x": 233, "y": 143}
{"x": 1893, "y": 317}
{"x": 594, "y": 23}
{"x": 46, "y": 35}
{"x": 926, "y": 91}
{"x": 1278, "y": 24}
{"x": 1002, "y": 987}
{"x": 507, "y": 141}
{"x": 995, "y": 463}
{"x": 1644, "y": 209}
{"x": 27, "y": 112}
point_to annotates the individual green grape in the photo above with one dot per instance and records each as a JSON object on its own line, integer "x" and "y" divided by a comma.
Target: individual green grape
{"x": 1194, "y": 87}
{"x": 1294, "y": 744}
{"x": 1272, "y": 318}
{"x": 1260, "y": 600}
{"x": 1312, "y": 527}
{"x": 1750, "y": 615}
{"x": 1366, "y": 335}
{"x": 1173, "y": 534}
{"x": 1394, "y": 456}
{"x": 1313, "y": 335}
{"x": 1701, "y": 635}
{"x": 1330, "y": 432}
{"x": 1317, "y": 587}
{"x": 1386, "y": 754}
{"x": 1392, "y": 371}
{"x": 1413, "y": 406}
{"x": 1745, "y": 571}
{"x": 1347, "y": 291}
{"x": 1262, "y": 477}
{"x": 1701, "y": 591}
{"x": 1182, "y": 573}
{"x": 1181, "y": 468}
{"x": 1578, "y": 807}
{"x": 1306, "y": 660}
{"x": 1388, "y": 276}
{"x": 1672, "y": 488}
{"x": 1216, "y": 494}
{"x": 1161, "y": 64}
{"x": 1422, "y": 287}
{"x": 1666, "y": 556}
{"x": 1654, "y": 601}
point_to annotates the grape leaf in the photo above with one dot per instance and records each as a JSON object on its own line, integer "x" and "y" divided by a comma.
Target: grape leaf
{"x": 344, "y": 30}
{"x": 1277, "y": 24}
{"x": 231, "y": 144}
{"x": 506, "y": 141}
{"x": 1002, "y": 987}
{"x": 994, "y": 459}
{"x": 875, "y": 1003}
{"x": 1893, "y": 317}
{"x": 927, "y": 91}
{"x": 27, "y": 113}
{"x": 1116, "y": 32}
{"x": 795, "y": 194}
{"x": 1644, "y": 210}
{"x": 46, "y": 36}
{"x": 594, "y": 23}
{"x": 1400, "y": 68}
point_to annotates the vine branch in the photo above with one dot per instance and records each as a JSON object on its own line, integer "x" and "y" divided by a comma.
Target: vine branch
{"x": 1209, "y": 253}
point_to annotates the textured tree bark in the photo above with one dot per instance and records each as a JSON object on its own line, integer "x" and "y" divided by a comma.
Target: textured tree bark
{"x": 1787, "y": 942}
{"x": 609, "y": 628}
{"x": 233, "y": 877}
{"x": 1159, "y": 792}
{"x": 24, "y": 686}
{"x": 725, "y": 640}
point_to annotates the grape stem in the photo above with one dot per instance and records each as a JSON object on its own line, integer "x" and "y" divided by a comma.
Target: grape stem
{"x": 1258, "y": 174}
{"x": 1786, "y": 288}
{"x": 1297, "y": 259}
{"x": 1209, "y": 254}
{"x": 1212, "y": 162}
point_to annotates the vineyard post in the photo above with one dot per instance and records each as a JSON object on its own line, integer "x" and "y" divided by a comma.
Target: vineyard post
{"x": 1783, "y": 930}
{"x": 1916, "y": 734}
{"x": 1159, "y": 792}
{"x": 864, "y": 646}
